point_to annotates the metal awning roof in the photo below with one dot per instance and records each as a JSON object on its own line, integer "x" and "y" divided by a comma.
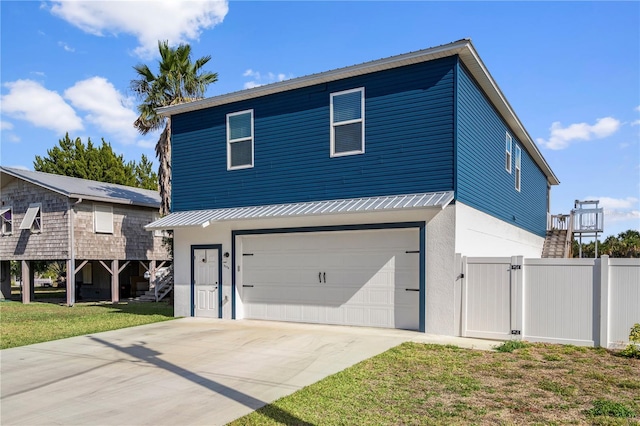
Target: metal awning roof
{"x": 204, "y": 218}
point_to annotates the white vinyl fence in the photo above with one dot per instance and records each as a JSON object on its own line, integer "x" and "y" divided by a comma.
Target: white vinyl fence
{"x": 588, "y": 302}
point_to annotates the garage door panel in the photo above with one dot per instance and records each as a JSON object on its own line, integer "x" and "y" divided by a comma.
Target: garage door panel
{"x": 363, "y": 277}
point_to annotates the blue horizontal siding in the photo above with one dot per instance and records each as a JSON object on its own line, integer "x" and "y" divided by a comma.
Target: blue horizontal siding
{"x": 481, "y": 179}
{"x": 408, "y": 143}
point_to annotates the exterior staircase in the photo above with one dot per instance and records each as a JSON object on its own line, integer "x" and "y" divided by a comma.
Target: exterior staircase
{"x": 557, "y": 243}
{"x": 163, "y": 286}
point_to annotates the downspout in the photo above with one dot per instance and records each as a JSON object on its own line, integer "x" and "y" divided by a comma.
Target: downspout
{"x": 71, "y": 272}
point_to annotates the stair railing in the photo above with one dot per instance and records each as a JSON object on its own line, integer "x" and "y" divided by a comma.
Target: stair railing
{"x": 163, "y": 282}
{"x": 568, "y": 243}
{"x": 559, "y": 222}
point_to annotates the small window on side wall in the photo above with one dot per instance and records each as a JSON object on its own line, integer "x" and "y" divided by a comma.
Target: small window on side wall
{"x": 6, "y": 221}
{"x": 240, "y": 140}
{"x": 508, "y": 150}
{"x": 518, "y": 167}
{"x": 102, "y": 219}
{"x": 347, "y": 122}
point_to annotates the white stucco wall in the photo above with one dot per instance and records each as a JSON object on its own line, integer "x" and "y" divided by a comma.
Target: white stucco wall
{"x": 439, "y": 264}
{"x": 441, "y": 295}
{"x": 479, "y": 234}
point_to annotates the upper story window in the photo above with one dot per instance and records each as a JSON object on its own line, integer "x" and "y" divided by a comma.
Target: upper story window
{"x": 240, "y": 140}
{"x": 6, "y": 221}
{"x": 508, "y": 150}
{"x": 33, "y": 218}
{"x": 347, "y": 122}
{"x": 102, "y": 219}
{"x": 518, "y": 166}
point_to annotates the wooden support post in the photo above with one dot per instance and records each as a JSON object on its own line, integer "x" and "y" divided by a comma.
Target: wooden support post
{"x": 152, "y": 273}
{"x": 27, "y": 282}
{"x": 124, "y": 265}
{"x": 71, "y": 283}
{"x": 115, "y": 282}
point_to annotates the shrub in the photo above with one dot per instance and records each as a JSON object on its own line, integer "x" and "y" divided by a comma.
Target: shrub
{"x": 510, "y": 346}
{"x": 633, "y": 349}
{"x": 603, "y": 407}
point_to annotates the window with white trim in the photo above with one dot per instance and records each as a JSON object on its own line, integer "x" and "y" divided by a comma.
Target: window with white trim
{"x": 33, "y": 218}
{"x": 518, "y": 166}
{"x": 347, "y": 122}
{"x": 102, "y": 219}
{"x": 240, "y": 140}
{"x": 6, "y": 225}
{"x": 508, "y": 149}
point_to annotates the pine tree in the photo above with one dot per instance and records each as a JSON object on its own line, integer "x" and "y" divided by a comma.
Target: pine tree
{"x": 74, "y": 158}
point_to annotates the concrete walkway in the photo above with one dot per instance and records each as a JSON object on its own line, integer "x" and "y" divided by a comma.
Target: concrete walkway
{"x": 183, "y": 372}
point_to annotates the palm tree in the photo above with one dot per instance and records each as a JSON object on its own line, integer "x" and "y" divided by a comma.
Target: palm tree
{"x": 178, "y": 80}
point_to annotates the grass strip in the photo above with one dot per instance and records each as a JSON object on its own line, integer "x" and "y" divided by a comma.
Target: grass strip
{"x": 429, "y": 384}
{"x": 42, "y": 322}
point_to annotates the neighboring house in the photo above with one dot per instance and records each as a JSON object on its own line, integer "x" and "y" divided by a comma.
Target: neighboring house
{"x": 96, "y": 228}
{"x": 344, "y": 197}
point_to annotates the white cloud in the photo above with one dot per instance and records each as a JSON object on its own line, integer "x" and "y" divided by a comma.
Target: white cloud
{"x": 176, "y": 21}
{"x": 637, "y": 108}
{"x": 66, "y": 47}
{"x": 259, "y": 79}
{"x": 147, "y": 143}
{"x": 617, "y": 203}
{"x": 5, "y": 125}
{"x": 562, "y": 137}
{"x": 619, "y": 209}
{"x": 19, "y": 166}
{"x": 106, "y": 108}
{"x": 30, "y": 101}
{"x": 12, "y": 138}
{"x": 635, "y": 123}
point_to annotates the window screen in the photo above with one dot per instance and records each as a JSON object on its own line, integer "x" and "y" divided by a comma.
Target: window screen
{"x": 240, "y": 140}
{"x": 347, "y": 122}
{"x": 518, "y": 167}
{"x": 508, "y": 147}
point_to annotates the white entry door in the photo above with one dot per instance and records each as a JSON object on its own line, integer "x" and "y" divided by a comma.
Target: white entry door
{"x": 363, "y": 278}
{"x": 206, "y": 286}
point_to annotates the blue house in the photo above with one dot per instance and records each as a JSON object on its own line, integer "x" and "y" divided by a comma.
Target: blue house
{"x": 344, "y": 197}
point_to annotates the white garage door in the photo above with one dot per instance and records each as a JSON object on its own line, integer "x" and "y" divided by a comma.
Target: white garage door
{"x": 363, "y": 278}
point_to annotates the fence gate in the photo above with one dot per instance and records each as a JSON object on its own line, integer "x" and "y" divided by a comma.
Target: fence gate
{"x": 492, "y": 297}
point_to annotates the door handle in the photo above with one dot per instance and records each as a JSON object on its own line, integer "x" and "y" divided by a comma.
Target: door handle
{"x": 247, "y": 285}
{"x": 324, "y": 275}
{"x": 412, "y": 289}
{"x": 320, "y": 277}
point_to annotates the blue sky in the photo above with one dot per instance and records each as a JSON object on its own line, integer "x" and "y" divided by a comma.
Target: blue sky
{"x": 570, "y": 70}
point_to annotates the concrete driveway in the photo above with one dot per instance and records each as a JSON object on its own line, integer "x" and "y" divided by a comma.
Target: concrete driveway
{"x": 183, "y": 372}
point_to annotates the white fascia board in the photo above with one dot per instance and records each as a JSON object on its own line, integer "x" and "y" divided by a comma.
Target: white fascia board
{"x": 323, "y": 77}
{"x": 476, "y": 67}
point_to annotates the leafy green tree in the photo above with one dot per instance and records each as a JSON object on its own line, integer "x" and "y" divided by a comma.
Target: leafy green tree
{"x": 71, "y": 157}
{"x": 625, "y": 244}
{"x": 178, "y": 80}
{"x": 145, "y": 176}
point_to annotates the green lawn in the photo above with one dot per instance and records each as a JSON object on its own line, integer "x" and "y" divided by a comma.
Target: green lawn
{"x": 429, "y": 384}
{"x": 41, "y": 322}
